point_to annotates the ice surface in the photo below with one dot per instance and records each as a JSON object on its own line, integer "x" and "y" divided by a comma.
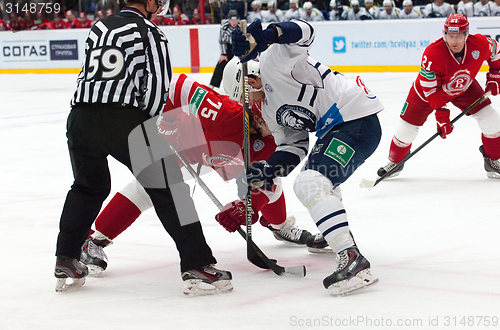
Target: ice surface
{"x": 431, "y": 235}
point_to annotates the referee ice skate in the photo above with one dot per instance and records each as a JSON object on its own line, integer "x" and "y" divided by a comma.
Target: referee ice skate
{"x": 123, "y": 84}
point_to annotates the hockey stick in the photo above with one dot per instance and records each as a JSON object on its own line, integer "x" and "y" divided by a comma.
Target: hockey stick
{"x": 259, "y": 259}
{"x": 246, "y": 151}
{"x": 369, "y": 183}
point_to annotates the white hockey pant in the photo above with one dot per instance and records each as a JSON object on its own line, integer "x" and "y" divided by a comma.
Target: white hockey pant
{"x": 325, "y": 206}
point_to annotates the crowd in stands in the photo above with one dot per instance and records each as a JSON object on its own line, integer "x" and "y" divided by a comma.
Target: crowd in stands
{"x": 315, "y": 10}
{"x": 185, "y": 12}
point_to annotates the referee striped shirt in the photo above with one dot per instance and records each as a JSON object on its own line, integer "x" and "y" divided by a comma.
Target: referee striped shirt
{"x": 225, "y": 42}
{"x": 127, "y": 62}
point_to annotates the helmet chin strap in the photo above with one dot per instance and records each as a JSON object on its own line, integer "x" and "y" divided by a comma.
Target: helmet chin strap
{"x": 150, "y": 13}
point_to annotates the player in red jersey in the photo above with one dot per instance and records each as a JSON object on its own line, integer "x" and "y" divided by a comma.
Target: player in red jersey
{"x": 15, "y": 24}
{"x": 73, "y": 22}
{"x": 206, "y": 128}
{"x": 58, "y": 23}
{"x": 448, "y": 74}
{"x": 196, "y": 19}
{"x": 85, "y": 23}
{"x": 3, "y": 26}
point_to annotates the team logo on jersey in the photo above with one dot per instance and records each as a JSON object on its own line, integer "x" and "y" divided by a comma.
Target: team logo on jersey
{"x": 475, "y": 54}
{"x": 268, "y": 88}
{"x": 196, "y": 100}
{"x": 258, "y": 145}
{"x": 458, "y": 83}
{"x": 221, "y": 160}
{"x": 296, "y": 117}
{"x": 316, "y": 149}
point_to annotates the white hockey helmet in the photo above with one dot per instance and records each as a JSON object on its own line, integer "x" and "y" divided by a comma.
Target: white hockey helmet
{"x": 307, "y": 5}
{"x": 407, "y": 3}
{"x": 233, "y": 74}
{"x": 387, "y": 3}
{"x": 333, "y": 4}
{"x": 354, "y": 3}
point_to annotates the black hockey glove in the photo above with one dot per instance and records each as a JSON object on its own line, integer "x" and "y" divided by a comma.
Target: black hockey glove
{"x": 248, "y": 47}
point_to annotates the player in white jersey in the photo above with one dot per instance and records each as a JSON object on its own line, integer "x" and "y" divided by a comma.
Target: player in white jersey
{"x": 466, "y": 7}
{"x": 482, "y": 8}
{"x": 335, "y": 13}
{"x": 390, "y": 11}
{"x": 303, "y": 96}
{"x": 438, "y": 8}
{"x": 255, "y": 13}
{"x": 272, "y": 14}
{"x": 408, "y": 11}
{"x": 294, "y": 11}
{"x": 495, "y": 8}
{"x": 311, "y": 14}
{"x": 356, "y": 13}
{"x": 373, "y": 11}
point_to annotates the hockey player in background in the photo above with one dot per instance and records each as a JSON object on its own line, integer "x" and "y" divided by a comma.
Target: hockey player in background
{"x": 302, "y": 96}
{"x": 207, "y": 129}
{"x": 448, "y": 74}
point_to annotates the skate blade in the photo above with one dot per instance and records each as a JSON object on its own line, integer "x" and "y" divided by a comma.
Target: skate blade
{"x": 493, "y": 175}
{"x": 362, "y": 280}
{"x": 200, "y": 288}
{"x": 320, "y": 250}
{"x": 63, "y": 286}
{"x": 94, "y": 270}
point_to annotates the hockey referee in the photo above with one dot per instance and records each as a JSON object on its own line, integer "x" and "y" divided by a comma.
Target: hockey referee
{"x": 124, "y": 82}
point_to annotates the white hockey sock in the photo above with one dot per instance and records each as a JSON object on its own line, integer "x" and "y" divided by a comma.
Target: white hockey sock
{"x": 331, "y": 219}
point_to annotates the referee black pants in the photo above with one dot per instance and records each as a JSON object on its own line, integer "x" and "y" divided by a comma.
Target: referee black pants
{"x": 95, "y": 131}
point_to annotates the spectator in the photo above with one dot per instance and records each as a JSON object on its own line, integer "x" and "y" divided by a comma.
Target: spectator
{"x": 15, "y": 24}
{"x": 255, "y": 13}
{"x": 355, "y": 13}
{"x": 373, "y": 11}
{"x": 85, "y": 23}
{"x": 311, "y": 14}
{"x": 58, "y": 23}
{"x": 390, "y": 11}
{"x": 109, "y": 12}
{"x": 294, "y": 11}
{"x": 73, "y": 22}
{"x": 196, "y": 19}
{"x": 438, "y": 8}
{"x": 179, "y": 18}
{"x": 272, "y": 14}
{"x": 226, "y": 49}
{"x": 482, "y": 8}
{"x": 408, "y": 11}
{"x": 465, "y": 7}
{"x": 495, "y": 8}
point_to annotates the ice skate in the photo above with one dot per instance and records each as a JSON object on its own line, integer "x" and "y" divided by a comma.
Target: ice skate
{"x": 352, "y": 273}
{"x": 491, "y": 166}
{"x": 290, "y": 233}
{"x": 206, "y": 280}
{"x": 93, "y": 257}
{"x": 383, "y": 170}
{"x": 318, "y": 244}
{"x": 69, "y": 268}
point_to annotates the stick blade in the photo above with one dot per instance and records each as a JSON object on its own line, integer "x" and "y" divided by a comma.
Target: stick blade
{"x": 296, "y": 271}
{"x": 365, "y": 183}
